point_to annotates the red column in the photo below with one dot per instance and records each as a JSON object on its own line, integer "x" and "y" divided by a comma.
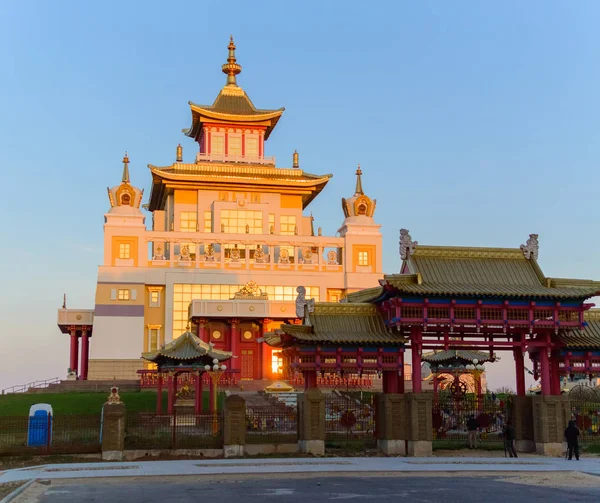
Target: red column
{"x": 554, "y": 375}
{"x": 203, "y": 329}
{"x": 235, "y": 344}
{"x": 212, "y": 395}
{"x": 74, "y": 350}
{"x": 198, "y": 393}
{"x": 520, "y": 371}
{"x": 171, "y": 395}
{"x": 401, "y": 377}
{"x": 310, "y": 379}
{"x": 545, "y": 371}
{"x": 390, "y": 382}
{"x": 85, "y": 353}
{"x": 159, "y": 393}
{"x": 415, "y": 345}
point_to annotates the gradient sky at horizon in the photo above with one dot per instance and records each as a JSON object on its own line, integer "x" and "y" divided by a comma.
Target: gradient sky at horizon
{"x": 475, "y": 124}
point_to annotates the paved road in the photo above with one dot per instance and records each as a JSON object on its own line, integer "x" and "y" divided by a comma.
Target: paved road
{"x": 312, "y": 489}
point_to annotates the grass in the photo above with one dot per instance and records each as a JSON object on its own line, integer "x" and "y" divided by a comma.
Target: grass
{"x": 591, "y": 448}
{"x": 456, "y": 445}
{"x": 85, "y": 402}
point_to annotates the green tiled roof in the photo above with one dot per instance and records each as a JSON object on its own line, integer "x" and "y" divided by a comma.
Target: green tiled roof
{"x": 186, "y": 348}
{"x": 343, "y": 324}
{"x": 463, "y": 356}
{"x": 588, "y": 338}
{"x": 367, "y": 295}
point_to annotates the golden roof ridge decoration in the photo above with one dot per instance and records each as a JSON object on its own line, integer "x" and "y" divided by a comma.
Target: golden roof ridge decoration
{"x": 231, "y": 68}
{"x": 239, "y": 168}
{"x": 250, "y": 291}
{"x": 343, "y": 308}
{"x": 460, "y": 252}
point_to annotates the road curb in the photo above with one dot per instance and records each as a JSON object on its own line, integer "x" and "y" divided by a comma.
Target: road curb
{"x": 17, "y": 492}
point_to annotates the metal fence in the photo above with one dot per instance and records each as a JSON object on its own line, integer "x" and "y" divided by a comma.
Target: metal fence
{"x": 177, "y": 431}
{"x": 587, "y": 417}
{"x": 69, "y": 434}
{"x": 350, "y": 420}
{"x": 450, "y": 416}
{"x": 277, "y": 424}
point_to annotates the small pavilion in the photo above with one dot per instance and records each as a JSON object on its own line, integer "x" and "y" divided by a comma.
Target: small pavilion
{"x": 449, "y": 367}
{"x": 187, "y": 356}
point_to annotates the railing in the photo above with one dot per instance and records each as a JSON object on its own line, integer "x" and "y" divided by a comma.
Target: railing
{"x": 277, "y": 424}
{"x": 76, "y": 434}
{"x": 350, "y": 421}
{"x": 587, "y": 418}
{"x": 177, "y": 431}
{"x": 249, "y": 159}
{"x": 336, "y": 382}
{"x": 149, "y": 379}
{"x": 23, "y": 388}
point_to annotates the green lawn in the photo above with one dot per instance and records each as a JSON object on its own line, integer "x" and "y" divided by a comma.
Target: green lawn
{"x": 84, "y": 403}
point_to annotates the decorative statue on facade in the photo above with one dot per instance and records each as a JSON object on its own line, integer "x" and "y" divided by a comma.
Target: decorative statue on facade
{"x": 158, "y": 253}
{"x": 209, "y": 253}
{"x": 407, "y": 245}
{"x": 307, "y": 256}
{"x": 531, "y": 248}
{"x": 184, "y": 255}
{"x": 284, "y": 256}
{"x": 235, "y": 254}
{"x": 302, "y": 304}
{"x": 259, "y": 255}
{"x": 332, "y": 257}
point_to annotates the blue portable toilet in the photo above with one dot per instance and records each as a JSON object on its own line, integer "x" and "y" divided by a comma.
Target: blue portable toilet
{"x": 40, "y": 425}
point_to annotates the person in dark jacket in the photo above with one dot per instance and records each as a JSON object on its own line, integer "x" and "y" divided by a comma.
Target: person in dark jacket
{"x": 472, "y": 426}
{"x": 572, "y": 438}
{"x": 509, "y": 440}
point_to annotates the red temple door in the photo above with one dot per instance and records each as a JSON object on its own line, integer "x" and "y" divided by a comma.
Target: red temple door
{"x": 247, "y": 364}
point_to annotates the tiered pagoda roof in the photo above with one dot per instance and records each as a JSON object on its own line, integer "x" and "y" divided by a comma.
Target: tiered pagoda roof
{"x": 187, "y": 350}
{"x": 589, "y": 338}
{"x": 332, "y": 323}
{"x": 474, "y": 272}
{"x": 455, "y": 358}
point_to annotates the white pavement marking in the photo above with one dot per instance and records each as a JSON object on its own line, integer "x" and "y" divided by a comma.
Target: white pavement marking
{"x": 278, "y": 492}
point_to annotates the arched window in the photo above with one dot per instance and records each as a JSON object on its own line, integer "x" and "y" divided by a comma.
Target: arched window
{"x": 362, "y": 209}
{"x": 125, "y": 199}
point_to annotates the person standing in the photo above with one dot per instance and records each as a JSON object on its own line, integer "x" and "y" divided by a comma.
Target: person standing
{"x": 472, "y": 426}
{"x": 509, "y": 439}
{"x": 572, "y": 438}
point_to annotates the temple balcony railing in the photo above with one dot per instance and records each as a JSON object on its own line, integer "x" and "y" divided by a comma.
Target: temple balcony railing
{"x": 202, "y": 250}
{"x": 149, "y": 379}
{"x": 244, "y": 159}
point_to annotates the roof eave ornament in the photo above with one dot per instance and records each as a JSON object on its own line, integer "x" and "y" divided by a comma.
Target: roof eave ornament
{"x": 304, "y": 306}
{"x": 407, "y": 245}
{"x": 359, "y": 189}
{"x": 125, "y": 178}
{"x": 231, "y": 68}
{"x": 531, "y": 248}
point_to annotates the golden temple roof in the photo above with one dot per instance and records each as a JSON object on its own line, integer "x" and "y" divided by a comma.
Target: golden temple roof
{"x": 232, "y": 104}
{"x": 464, "y": 356}
{"x": 230, "y": 176}
{"x": 588, "y": 338}
{"x": 339, "y": 324}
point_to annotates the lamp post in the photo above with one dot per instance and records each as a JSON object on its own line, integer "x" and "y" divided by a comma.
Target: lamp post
{"x": 215, "y": 372}
{"x": 476, "y": 370}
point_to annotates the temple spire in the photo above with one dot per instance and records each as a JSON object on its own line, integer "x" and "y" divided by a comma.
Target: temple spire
{"x": 125, "y": 169}
{"x": 231, "y": 68}
{"x": 359, "y": 189}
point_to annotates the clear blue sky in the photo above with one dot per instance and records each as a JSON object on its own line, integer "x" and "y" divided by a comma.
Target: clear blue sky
{"x": 475, "y": 123}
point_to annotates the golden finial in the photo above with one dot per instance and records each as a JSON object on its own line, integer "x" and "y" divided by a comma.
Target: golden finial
{"x": 187, "y": 328}
{"x": 359, "y": 189}
{"x": 231, "y": 68}
{"x": 179, "y": 153}
{"x": 125, "y": 169}
{"x": 296, "y": 163}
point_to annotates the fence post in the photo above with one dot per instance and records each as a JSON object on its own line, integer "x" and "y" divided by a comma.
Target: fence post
{"x": 521, "y": 414}
{"x": 113, "y": 431}
{"x": 49, "y": 433}
{"x": 419, "y": 427}
{"x": 390, "y": 422}
{"x": 550, "y": 417}
{"x": 311, "y": 422}
{"x": 234, "y": 426}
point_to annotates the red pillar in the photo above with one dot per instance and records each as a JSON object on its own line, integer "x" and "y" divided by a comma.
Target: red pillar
{"x": 212, "y": 394}
{"x": 235, "y": 344}
{"x": 159, "y": 393}
{"x": 545, "y": 371}
{"x": 198, "y": 393}
{"x": 171, "y": 395}
{"x": 390, "y": 382}
{"x": 74, "y": 350}
{"x": 310, "y": 379}
{"x": 402, "y": 376}
{"x": 554, "y": 375}
{"x": 85, "y": 354}
{"x": 520, "y": 371}
{"x": 415, "y": 345}
{"x": 203, "y": 333}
